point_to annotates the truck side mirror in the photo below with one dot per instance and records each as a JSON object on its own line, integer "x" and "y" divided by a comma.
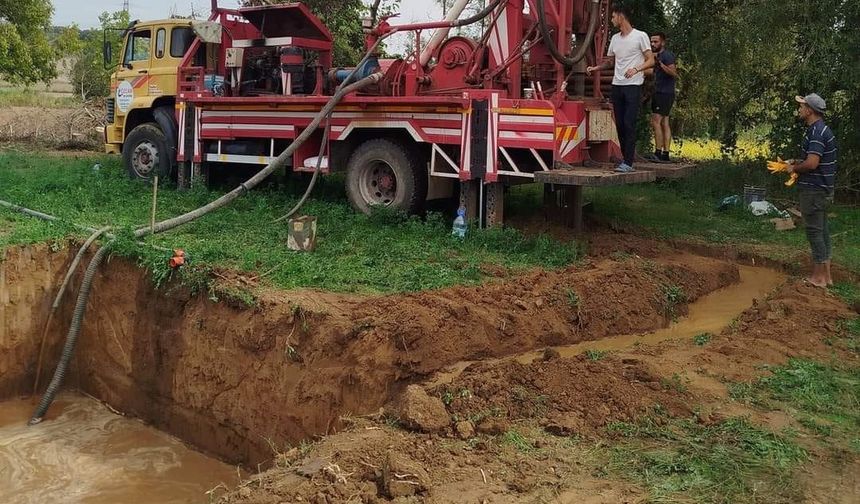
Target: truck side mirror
{"x": 107, "y": 54}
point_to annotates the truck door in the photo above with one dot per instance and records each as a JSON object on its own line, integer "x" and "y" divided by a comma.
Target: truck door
{"x": 162, "y": 70}
{"x": 169, "y": 47}
{"x": 133, "y": 75}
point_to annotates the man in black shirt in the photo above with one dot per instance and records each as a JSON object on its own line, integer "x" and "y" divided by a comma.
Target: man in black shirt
{"x": 665, "y": 73}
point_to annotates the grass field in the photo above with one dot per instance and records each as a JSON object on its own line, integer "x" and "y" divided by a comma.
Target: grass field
{"x": 672, "y": 459}
{"x": 688, "y": 209}
{"x": 823, "y": 396}
{"x": 681, "y": 460}
{"x": 384, "y": 252}
{"x": 21, "y": 97}
{"x": 387, "y": 252}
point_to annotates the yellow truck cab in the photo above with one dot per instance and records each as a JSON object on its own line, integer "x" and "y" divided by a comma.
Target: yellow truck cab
{"x": 141, "y": 107}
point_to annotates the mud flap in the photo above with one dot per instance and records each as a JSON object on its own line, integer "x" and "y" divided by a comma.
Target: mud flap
{"x": 478, "y": 142}
{"x": 482, "y": 199}
{"x": 185, "y": 167}
{"x": 164, "y": 117}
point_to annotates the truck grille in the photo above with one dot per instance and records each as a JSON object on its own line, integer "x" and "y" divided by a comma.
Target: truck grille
{"x": 110, "y": 103}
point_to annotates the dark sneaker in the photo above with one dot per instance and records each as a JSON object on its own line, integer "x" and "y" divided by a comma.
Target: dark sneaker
{"x": 664, "y": 156}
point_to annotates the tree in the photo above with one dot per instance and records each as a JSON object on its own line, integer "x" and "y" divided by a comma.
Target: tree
{"x": 745, "y": 61}
{"x": 27, "y": 57}
{"x": 67, "y": 46}
{"x": 83, "y": 49}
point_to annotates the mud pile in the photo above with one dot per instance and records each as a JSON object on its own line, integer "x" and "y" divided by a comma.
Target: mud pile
{"x": 577, "y": 396}
{"x": 799, "y": 320}
{"x": 557, "y": 402}
{"x": 485, "y": 459}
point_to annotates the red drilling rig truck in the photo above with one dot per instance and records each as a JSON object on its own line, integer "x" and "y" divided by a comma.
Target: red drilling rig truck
{"x": 457, "y": 114}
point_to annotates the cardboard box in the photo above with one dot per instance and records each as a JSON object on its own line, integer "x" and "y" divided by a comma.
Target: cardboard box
{"x": 783, "y": 224}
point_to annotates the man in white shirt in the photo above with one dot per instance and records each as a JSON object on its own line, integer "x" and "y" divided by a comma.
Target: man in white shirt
{"x": 630, "y": 54}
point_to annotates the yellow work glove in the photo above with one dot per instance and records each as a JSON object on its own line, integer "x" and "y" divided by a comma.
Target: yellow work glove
{"x": 780, "y": 166}
{"x": 777, "y": 166}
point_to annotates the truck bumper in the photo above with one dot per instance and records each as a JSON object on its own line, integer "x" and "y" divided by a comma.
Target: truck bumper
{"x": 113, "y": 139}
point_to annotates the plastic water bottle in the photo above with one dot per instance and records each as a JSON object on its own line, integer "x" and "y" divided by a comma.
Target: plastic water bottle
{"x": 459, "y": 229}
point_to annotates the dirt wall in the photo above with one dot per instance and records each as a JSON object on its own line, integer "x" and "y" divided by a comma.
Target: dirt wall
{"x": 28, "y": 280}
{"x": 236, "y": 380}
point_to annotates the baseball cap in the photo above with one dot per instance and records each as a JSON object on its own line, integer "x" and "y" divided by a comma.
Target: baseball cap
{"x": 813, "y": 101}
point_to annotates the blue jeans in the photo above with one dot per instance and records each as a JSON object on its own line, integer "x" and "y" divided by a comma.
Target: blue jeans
{"x": 625, "y": 102}
{"x": 813, "y": 205}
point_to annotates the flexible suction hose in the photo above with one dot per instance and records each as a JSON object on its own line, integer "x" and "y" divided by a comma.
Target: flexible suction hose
{"x": 311, "y": 185}
{"x": 71, "y": 338}
{"x": 38, "y": 215}
{"x": 75, "y": 263}
{"x": 582, "y": 49}
{"x": 72, "y": 268}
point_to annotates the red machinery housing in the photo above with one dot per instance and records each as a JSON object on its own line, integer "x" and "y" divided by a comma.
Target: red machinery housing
{"x": 497, "y": 109}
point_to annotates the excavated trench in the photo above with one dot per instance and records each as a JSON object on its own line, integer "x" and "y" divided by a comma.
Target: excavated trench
{"x": 237, "y": 382}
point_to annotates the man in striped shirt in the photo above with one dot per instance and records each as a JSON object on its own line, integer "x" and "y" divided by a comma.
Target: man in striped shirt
{"x": 815, "y": 183}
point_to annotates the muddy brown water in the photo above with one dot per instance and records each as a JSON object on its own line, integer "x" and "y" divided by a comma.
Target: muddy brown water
{"x": 709, "y": 314}
{"x": 85, "y": 453}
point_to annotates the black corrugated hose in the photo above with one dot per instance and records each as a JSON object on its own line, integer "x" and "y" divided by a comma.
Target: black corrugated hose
{"x": 71, "y": 338}
{"x": 59, "y": 297}
{"x": 550, "y": 43}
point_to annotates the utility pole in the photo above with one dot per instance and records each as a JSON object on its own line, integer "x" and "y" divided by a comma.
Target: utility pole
{"x": 125, "y": 6}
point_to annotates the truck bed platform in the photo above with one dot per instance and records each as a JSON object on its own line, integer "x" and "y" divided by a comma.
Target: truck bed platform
{"x": 593, "y": 176}
{"x": 668, "y": 170}
{"x": 603, "y": 174}
{"x": 564, "y": 195}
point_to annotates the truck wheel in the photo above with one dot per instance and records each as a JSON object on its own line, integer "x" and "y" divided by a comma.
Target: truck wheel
{"x": 383, "y": 172}
{"x": 145, "y": 152}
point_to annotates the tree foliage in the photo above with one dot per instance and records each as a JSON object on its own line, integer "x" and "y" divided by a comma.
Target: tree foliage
{"x": 83, "y": 51}
{"x": 25, "y": 53}
{"x": 343, "y": 19}
{"x": 743, "y": 62}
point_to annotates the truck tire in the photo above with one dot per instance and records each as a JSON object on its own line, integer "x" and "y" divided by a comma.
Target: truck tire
{"x": 382, "y": 172}
{"x": 165, "y": 118}
{"x": 145, "y": 152}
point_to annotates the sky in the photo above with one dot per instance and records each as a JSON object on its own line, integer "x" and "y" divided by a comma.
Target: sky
{"x": 85, "y": 13}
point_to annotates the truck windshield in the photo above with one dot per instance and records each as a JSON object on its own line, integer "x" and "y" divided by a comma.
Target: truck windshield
{"x": 180, "y": 41}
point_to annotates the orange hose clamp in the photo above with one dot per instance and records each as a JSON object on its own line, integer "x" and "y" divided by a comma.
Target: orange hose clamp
{"x": 178, "y": 258}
